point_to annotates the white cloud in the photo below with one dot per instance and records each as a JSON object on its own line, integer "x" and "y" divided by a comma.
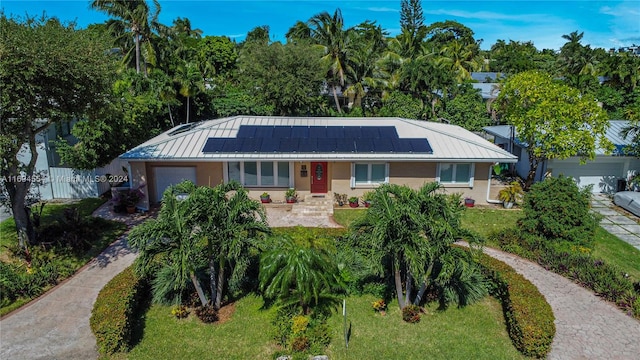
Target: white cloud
{"x": 382, "y": 9}
{"x": 492, "y": 16}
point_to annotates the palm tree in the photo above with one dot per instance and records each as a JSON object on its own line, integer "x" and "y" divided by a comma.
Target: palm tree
{"x": 295, "y": 274}
{"x": 409, "y": 234}
{"x": 329, "y": 34}
{"x": 191, "y": 83}
{"x": 459, "y": 59}
{"x": 232, "y": 222}
{"x": 134, "y": 15}
{"x": 169, "y": 247}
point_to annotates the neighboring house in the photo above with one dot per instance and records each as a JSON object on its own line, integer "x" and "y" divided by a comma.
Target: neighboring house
{"x": 602, "y": 173}
{"x": 56, "y": 181}
{"x": 316, "y": 155}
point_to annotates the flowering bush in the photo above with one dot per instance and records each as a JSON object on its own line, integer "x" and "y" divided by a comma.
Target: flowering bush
{"x": 411, "y": 314}
{"x": 180, "y": 311}
{"x": 379, "y": 305}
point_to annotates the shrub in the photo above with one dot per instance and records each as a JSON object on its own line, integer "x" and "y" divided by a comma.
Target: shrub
{"x": 207, "y": 314}
{"x": 558, "y": 210}
{"x": 528, "y": 315}
{"x": 301, "y": 333}
{"x": 112, "y": 316}
{"x": 180, "y": 311}
{"x": 411, "y": 314}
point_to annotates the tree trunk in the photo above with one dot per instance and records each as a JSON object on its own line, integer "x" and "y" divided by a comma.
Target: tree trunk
{"x": 220, "y": 284}
{"x": 196, "y": 284}
{"x": 212, "y": 275}
{"x": 335, "y": 98}
{"x": 187, "y": 109}
{"x": 409, "y": 281}
{"x": 398, "y": 281}
{"x": 533, "y": 169}
{"x": 137, "y": 40}
{"x": 424, "y": 286}
{"x": 171, "y": 116}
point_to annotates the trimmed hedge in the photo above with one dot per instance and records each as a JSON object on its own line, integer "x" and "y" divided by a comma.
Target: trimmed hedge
{"x": 112, "y": 316}
{"x": 528, "y": 315}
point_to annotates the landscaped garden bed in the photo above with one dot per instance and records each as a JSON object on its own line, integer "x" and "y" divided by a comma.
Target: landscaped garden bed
{"x": 68, "y": 237}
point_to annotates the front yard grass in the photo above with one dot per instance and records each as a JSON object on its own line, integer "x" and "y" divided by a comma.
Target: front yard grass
{"x": 475, "y": 332}
{"x": 346, "y": 216}
{"x": 617, "y": 252}
{"x": 51, "y": 212}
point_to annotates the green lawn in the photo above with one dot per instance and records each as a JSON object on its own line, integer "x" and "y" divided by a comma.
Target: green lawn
{"x": 50, "y": 213}
{"x": 346, "y": 216}
{"x": 617, "y": 252}
{"x": 475, "y": 332}
{"x": 485, "y": 220}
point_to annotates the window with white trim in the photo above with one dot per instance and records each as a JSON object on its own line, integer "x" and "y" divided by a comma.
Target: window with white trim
{"x": 456, "y": 173}
{"x": 259, "y": 173}
{"x": 369, "y": 174}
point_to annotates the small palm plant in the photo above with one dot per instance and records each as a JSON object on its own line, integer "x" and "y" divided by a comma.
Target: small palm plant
{"x": 511, "y": 194}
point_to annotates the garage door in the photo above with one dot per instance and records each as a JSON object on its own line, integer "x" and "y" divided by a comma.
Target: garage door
{"x": 167, "y": 176}
{"x": 603, "y": 176}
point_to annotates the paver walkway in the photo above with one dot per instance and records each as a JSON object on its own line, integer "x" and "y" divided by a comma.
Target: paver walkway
{"x": 587, "y": 327}
{"x": 620, "y": 223}
{"x": 56, "y": 326}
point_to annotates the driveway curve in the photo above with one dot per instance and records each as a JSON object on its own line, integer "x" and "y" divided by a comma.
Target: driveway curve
{"x": 587, "y": 327}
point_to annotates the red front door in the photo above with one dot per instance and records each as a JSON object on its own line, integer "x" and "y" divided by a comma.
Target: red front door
{"x": 319, "y": 177}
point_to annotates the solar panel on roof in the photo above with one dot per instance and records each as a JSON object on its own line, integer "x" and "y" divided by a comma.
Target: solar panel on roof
{"x": 246, "y": 131}
{"x": 327, "y": 145}
{"x": 419, "y": 145}
{"x": 308, "y": 145}
{"x": 345, "y": 145}
{"x": 335, "y": 132}
{"x": 231, "y": 145}
{"x": 364, "y": 145}
{"x": 300, "y": 132}
{"x": 213, "y": 145}
{"x": 388, "y": 132}
{"x": 270, "y": 145}
{"x": 352, "y": 132}
{"x": 264, "y": 132}
{"x": 370, "y": 132}
{"x": 251, "y": 145}
{"x": 282, "y": 132}
{"x": 383, "y": 145}
{"x": 317, "y": 132}
{"x": 289, "y": 145}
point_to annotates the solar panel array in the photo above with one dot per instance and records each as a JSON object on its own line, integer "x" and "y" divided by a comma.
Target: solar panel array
{"x": 316, "y": 139}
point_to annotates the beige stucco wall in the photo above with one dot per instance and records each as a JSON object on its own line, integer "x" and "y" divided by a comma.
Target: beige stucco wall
{"x": 413, "y": 174}
{"x": 139, "y": 177}
{"x": 207, "y": 174}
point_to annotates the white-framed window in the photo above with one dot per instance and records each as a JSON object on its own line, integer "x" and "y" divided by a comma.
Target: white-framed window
{"x": 260, "y": 173}
{"x": 456, "y": 173}
{"x": 369, "y": 174}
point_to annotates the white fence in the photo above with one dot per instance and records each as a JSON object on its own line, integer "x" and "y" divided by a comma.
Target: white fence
{"x": 66, "y": 183}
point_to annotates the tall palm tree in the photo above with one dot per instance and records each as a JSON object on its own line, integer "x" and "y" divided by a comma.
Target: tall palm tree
{"x": 191, "y": 83}
{"x": 232, "y": 222}
{"x": 329, "y": 34}
{"x": 295, "y": 274}
{"x": 169, "y": 247}
{"x": 409, "y": 234}
{"x": 134, "y": 15}
{"x": 460, "y": 59}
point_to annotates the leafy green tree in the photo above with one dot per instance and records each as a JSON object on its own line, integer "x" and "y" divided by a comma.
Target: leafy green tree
{"x": 558, "y": 210}
{"x": 513, "y": 57}
{"x": 467, "y": 110}
{"x": 408, "y": 234}
{"x": 139, "y": 113}
{"x": 398, "y": 104}
{"x": 554, "y": 120}
{"x": 259, "y": 34}
{"x": 219, "y": 53}
{"x": 295, "y": 274}
{"x": 36, "y": 92}
{"x": 632, "y": 131}
{"x": 287, "y": 78}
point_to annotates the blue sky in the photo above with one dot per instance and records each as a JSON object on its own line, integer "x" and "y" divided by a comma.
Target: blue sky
{"x": 605, "y": 24}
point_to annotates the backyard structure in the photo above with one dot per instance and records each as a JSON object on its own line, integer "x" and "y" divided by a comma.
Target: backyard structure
{"x": 316, "y": 156}
{"x": 604, "y": 172}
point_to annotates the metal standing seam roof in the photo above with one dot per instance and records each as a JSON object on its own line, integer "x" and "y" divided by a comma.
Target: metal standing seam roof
{"x": 613, "y": 134}
{"x": 448, "y": 142}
